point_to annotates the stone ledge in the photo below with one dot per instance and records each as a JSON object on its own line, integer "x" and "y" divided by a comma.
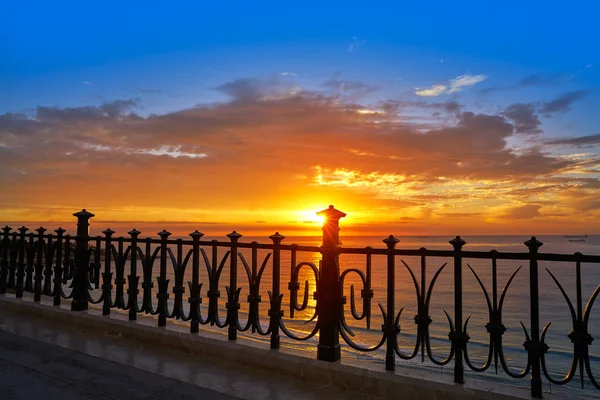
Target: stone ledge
{"x": 347, "y": 374}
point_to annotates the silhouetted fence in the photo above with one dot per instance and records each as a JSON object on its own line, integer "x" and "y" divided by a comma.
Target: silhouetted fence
{"x": 51, "y": 264}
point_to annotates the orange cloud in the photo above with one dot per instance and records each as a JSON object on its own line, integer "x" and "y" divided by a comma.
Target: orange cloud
{"x": 275, "y": 155}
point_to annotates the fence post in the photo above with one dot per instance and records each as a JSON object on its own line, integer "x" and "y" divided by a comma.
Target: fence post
{"x": 459, "y": 337}
{"x": 390, "y": 325}
{"x": 107, "y": 274}
{"x": 163, "y": 282}
{"x": 80, "y": 274}
{"x": 58, "y": 267}
{"x": 233, "y": 293}
{"x": 275, "y": 312}
{"x": 534, "y": 347}
{"x": 39, "y": 266}
{"x": 195, "y": 286}
{"x": 329, "y": 297}
{"x": 133, "y": 278}
{"x": 22, "y": 245}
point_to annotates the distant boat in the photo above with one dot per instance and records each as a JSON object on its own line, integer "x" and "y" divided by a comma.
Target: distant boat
{"x": 575, "y": 236}
{"x": 576, "y": 240}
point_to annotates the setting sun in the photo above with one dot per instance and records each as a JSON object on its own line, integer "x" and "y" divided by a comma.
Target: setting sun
{"x": 310, "y": 217}
{"x": 320, "y": 219}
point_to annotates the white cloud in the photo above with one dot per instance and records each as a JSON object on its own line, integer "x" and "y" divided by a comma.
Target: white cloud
{"x": 457, "y": 84}
{"x": 454, "y": 85}
{"x": 89, "y": 83}
{"x": 434, "y": 90}
{"x": 171, "y": 151}
{"x": 96, "y": 147}
{"x": 289, "y": 74}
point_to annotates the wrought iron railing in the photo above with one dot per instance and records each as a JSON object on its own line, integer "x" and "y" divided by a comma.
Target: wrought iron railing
{"x": 75, "y": 267}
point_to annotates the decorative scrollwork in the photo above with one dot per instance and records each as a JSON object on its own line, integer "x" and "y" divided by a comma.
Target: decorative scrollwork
{"x": 294, "y": 286}
{"x": 254, "y": 275}
{"x": 494, "y": 327}
{"x": 579, "y": 336}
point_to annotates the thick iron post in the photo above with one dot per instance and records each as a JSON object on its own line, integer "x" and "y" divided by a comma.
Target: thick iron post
{"x": 133, "y": 278}
{"x": 275, "y": 312}
{"x": 233, "y": 304}
{"x": 80, "y": 284}
{"x": 534, "y": 347}
{"x": 4, "y": 259}
{"x": 390, "y": 327}
{"x": 329, "y": 298}
{"x": 459, "y": 338}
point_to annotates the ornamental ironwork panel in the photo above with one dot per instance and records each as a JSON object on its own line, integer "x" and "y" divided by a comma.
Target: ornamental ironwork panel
{"x": 181, "y": 279}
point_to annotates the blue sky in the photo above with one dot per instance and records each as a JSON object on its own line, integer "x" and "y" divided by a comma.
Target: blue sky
{"x": 87, "y": 87}
{"x": 136, "y": 49}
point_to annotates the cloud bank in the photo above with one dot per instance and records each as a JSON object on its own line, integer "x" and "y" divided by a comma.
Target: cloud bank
{"x": 271, "y": 153}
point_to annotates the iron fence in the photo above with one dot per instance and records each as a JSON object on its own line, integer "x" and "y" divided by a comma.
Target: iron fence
{"x": 72, "y": 267}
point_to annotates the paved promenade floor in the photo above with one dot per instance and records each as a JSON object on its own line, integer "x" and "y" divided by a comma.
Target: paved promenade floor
{"x": 35, "y": 370}
{"x": 42, "y": 359}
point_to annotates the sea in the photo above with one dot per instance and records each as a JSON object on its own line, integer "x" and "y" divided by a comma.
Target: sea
{"x": 553, "y": 307}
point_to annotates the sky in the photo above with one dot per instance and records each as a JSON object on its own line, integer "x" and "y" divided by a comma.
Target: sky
{"x": 434, "y": 117}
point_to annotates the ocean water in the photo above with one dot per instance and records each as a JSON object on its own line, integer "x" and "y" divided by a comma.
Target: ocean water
{"x": 553, "y": 307}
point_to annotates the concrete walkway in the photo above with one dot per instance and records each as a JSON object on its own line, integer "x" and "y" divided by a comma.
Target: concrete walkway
{"x": 40, "y": 358}
{"x": 35, "y": 370}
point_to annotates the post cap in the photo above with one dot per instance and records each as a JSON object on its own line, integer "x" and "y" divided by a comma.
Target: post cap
{"x": 134, "y": 232}
{"x": 60, "y": 231}
{"x": 6, "y": 229}
{"x": 41, "y": 230}
{"x": 23, "y": 229}
{"x": 457, "y": 242}
{"x": 391, "y": 240}
{"x": 84, "y": 214}
{"x": 533, "y": 243}
{"x": 196, "y": 234}
{"x": 234, "y": 236}
{"x": 164, "y": 234}
{"x": 276, "y": 238}
{"x": 108, "y": 232}
{"x": 331, "y": 213}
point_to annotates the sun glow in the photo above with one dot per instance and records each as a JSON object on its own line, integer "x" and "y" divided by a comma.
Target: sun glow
{"x": 310, "y": 217}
